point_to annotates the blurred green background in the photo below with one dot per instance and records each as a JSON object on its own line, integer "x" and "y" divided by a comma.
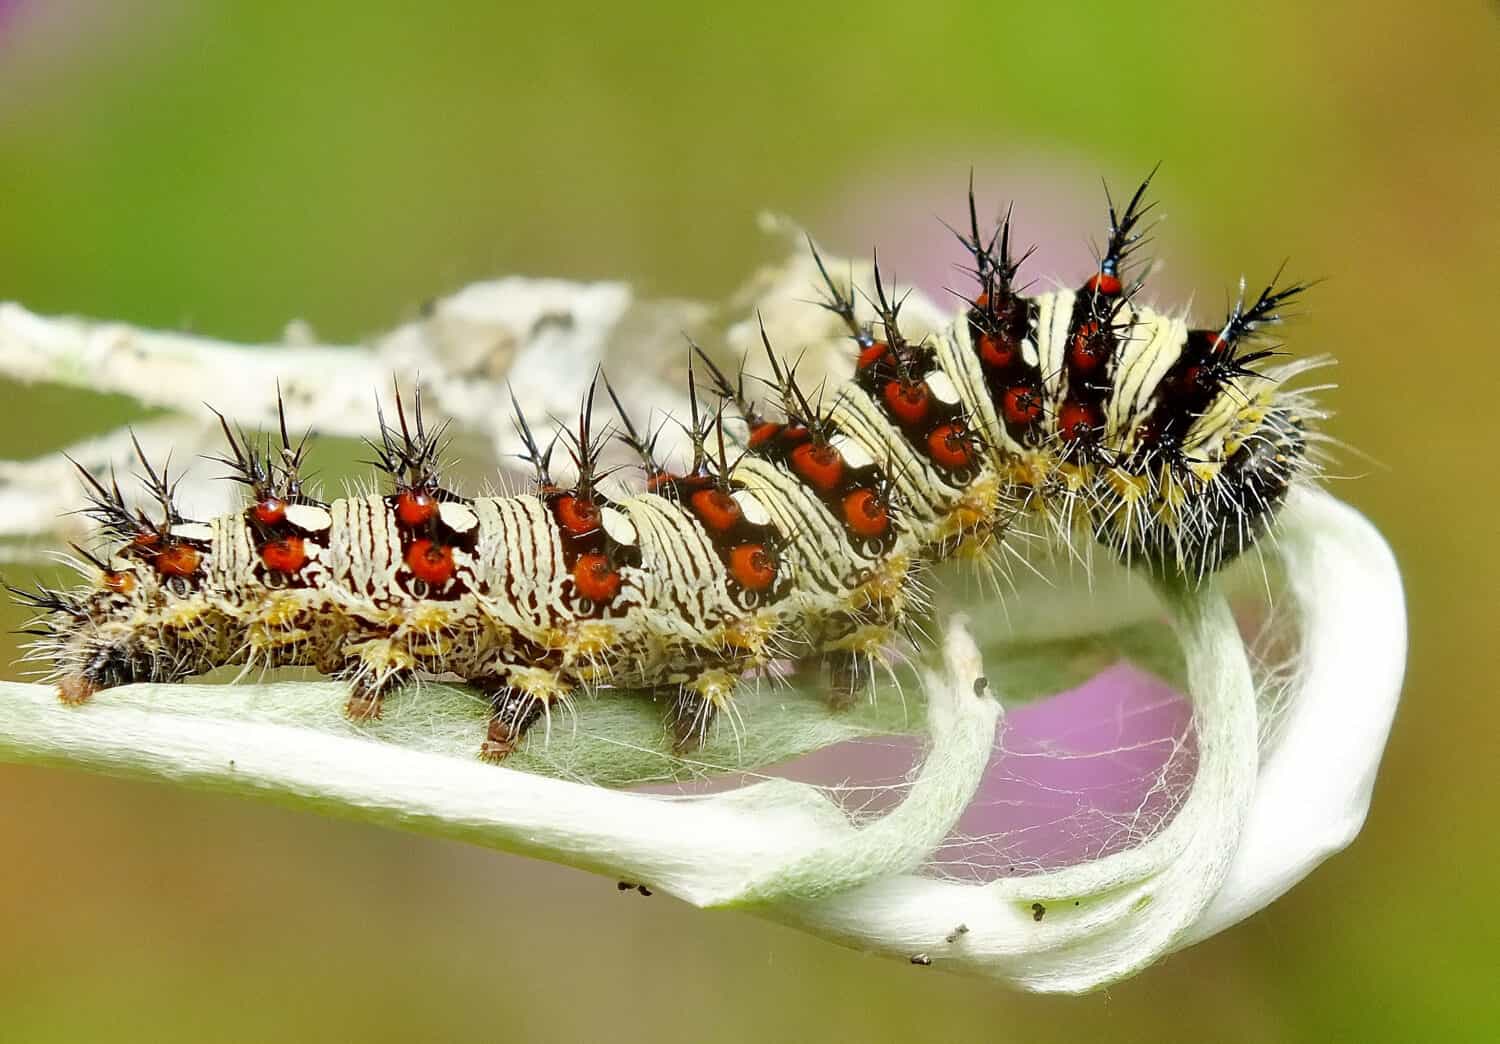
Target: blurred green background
{"x": 228, "y": 166}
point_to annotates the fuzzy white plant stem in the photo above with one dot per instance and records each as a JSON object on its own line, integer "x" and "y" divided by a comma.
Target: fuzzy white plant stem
{"x": 541, "y": 338}
{"x": 786, "y": 852}
{"x": 771, "y": 839}
{"x": 1314, "y": 786}
{"x": 960, "y": 710}
{"x": 1230, "y": 850}
{"x": 464, "y": 347}
{"x": 1084, "y": 926}
{"x": 44, "y": 494}
{"x": 177, "y": 371}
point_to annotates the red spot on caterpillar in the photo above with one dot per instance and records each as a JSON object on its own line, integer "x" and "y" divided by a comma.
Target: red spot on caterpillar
{"x": 430, "y": 561}
{"x": 950, "y": 446}
{"x": 1078, "y": 420}
{"x": 866, "y": 513}
{"x": 1103, "y": 283}
{"x": 284, "y": 555}
{"x": 1089, "y": 348}
{"x": 982, "y": 302}
{"x": 752, "y": 566}
{"x": 764, "y": 433}
{"x": 416, "y": 509}
{"x": 270, "y": 511}
{"x": 577, "y": 515}
{"x": 120, "y": 583}
{"x": 819, "y": 464}
{"x": 595, "y": 578}
{"x": 873, "y": 354}
{"x": 177, "y": 560}
{"x": 145, "y": 541}
{"x": 908, "y": 402}
{"x": 1022, "y": 405}
{"x": 997, "y": 351}
{"x": 716, "y": 509}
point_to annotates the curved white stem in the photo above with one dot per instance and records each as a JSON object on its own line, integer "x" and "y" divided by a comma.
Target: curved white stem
{"x": 1240, "y": 840}
{"x": 771, "y": 839}
{"x": 961, "y": 718}
{"x": 1085, "y": 926}
{"x": 1314, "y": 785}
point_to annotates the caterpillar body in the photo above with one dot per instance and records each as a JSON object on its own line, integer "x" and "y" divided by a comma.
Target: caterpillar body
{"x": 795, "y": 532}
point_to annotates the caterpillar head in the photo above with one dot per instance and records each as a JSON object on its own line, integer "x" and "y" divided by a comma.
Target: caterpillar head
{"x": 1202, "y": 521}
{"x": 125, "y": 623}
{"x": 89, "y": 636}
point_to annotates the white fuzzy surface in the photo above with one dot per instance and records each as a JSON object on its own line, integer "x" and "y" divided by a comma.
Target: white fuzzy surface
{"x": 1253, "y": 823}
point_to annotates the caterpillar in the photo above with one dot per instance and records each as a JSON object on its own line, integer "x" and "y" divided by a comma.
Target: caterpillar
{"x": 796, "y": 531}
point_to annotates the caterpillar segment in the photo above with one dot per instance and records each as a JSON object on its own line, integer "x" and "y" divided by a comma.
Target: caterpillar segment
{"x": 800, "y": 529}
{"x": 1172, "y": 446}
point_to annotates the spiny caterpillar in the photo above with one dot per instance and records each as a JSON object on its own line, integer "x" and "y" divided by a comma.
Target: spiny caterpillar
{"x": 794, "y": 533}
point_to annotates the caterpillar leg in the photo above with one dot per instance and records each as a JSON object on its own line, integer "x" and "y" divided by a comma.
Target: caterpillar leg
{"x": 849, "y": 676}
{"x": 518, "y": 699}
{"x": 376, "y": 665}
{"x": 76, "y": 689}
{"x": 850, "y": 659}
{"x": 697, "y": 706}
{"x": 367, "y": 695}
{"x": 512, "y": 713}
